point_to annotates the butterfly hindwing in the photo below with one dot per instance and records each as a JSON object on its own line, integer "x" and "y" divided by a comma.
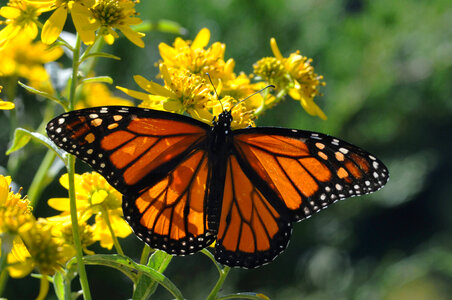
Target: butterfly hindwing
{"x": 171, "y": 215}
{"x": 251, "y": 232}
{"x": 301, "y": 172}
{"x": 132, "y": 148}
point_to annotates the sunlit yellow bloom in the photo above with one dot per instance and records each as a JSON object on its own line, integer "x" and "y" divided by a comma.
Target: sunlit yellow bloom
{"x": 182, "y": 92}
{"x": 95, "y": 197}
{"x": 21, "y": 17}
{"x": 81, "y": 17}
{"x": 98, "y": 94}
{"x": 25, "y": 59}
{"x": 5, "y": 105}
{"x": 115, "y": 14}
{"x": 15, "y": 214}
{"x": 192, "y": 56}
{"x": 295, "y": 74}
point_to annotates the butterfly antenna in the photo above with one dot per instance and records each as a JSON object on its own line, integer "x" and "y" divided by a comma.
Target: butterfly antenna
{"x": 218, "y": 97}
{"x": 268, "y": 86}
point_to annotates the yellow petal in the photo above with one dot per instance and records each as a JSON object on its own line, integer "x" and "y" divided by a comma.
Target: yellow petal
{"x": 20, "y": 265}
{"x": 98, "y": 197}
{"x": 275, "y": 49}
{"x": 202, "y": 39}
{"x": 9, "y": 12}
{"x": 6, "y": 105}
{"x": 166, "y": 52}
{"x": 135, "y": 94}
{"x": 54, "y": 25}
{"x": 64, "y": 180}
{"x": 311, "y": 108}
{"x": 60, "y": 204}
{"x": 133, "y": 36}
{"x": 31, "y": 29}
{"x": 109, "y": 39}
{"x": 80, "y": 16}
{"x": 120, "y": 226}
{"x": 152, "y": 87}
{"x": 172, "y": 105}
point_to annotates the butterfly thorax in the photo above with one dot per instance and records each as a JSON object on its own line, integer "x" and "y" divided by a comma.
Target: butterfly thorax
{"x": 219, "y": 148}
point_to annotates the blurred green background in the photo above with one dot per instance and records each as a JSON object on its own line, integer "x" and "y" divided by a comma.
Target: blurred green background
{"x": 388, "y": 69}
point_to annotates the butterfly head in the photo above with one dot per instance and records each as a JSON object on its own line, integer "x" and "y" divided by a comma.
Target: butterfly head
{"x": 224, "y": 119}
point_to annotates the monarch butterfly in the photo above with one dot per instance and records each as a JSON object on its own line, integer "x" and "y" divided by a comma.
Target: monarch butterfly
{"x": 186, "y": 184}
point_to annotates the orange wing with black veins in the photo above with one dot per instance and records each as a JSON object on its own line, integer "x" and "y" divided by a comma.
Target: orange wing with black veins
{"x": 301, "y": 172}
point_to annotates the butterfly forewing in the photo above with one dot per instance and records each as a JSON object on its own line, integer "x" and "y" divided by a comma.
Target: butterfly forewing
{"x": 132, "y": 148}
{"x": 301, "y": 172}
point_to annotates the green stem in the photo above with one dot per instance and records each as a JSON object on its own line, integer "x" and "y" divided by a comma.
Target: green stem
{"x": 145, "y": 254}
{"x": 71, "y": 171}
{"x": 106, "y": 217}
{"x": 223, "y": 274}
{"x": 41, "y": 178}
{"x": 3, "y": 272}
{"x": 67, "y": 288}
{"x": 77, "y": 243}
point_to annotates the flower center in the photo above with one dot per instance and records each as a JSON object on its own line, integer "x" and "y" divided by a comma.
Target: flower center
{"x": 108, "y": 12}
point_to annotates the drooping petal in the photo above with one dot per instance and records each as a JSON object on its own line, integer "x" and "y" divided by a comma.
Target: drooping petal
{"x": 133, "y": 36}
{"x": 54, "y": 25}
{"x": 81, "y": 18}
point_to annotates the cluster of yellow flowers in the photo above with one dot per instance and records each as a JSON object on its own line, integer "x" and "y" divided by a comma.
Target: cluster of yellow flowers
{"x": 47, "y": 243}
{"x": 186, "y": 89}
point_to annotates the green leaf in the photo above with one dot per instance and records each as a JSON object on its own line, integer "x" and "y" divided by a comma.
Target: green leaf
{"x": 146, "y": 286}
{"x": 58, "y": 285}
{"x": 131, "y": 269}
{"x": 23, "y": 136}
{"x": 104, "y": 79}
{"x": 101, "y": 54}
{"x": 43, "y": 94}
{"x": 254, "y": 296}
{"x": 159, "y": 260}
{"x": 162, "y": 26}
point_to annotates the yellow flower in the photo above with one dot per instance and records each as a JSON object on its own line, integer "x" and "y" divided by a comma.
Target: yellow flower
{"x": 98, "y": 94}
{"x": 24, "y": 58}
{"x": 5, "y": 105}
{"x": 182, "y": 92}
{"x": 15, "y": 215}
{"x": 191, "y": 56}
{"x": 295, "y": 74}
{"x": 81, "y": 17}
{"x": 21, "y": 17}
{"x": 119, "y": 14}
{"x": 15, "y": 211}
{"x": 62, "y": 230}
{"x": 96, "y": 197}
